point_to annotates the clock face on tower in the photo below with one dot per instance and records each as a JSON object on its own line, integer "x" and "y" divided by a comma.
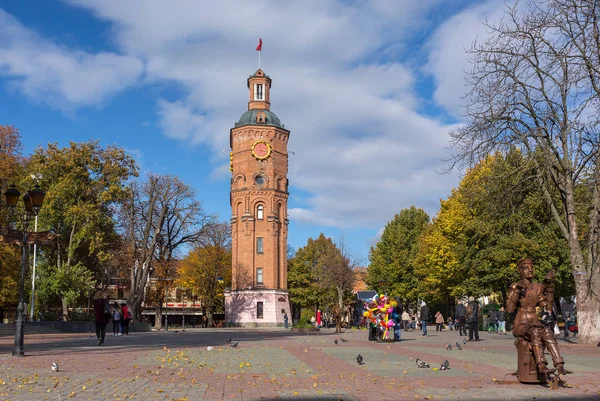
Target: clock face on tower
{"x": 261, "y": 150}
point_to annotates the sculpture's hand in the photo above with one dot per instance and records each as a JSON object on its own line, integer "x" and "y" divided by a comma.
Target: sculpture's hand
{"x": 551, "y": 275}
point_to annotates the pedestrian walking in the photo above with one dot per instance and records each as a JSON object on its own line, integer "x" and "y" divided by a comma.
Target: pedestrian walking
{"x": 285, "y": 320}
{"x": 439, "y": 321}
{"x": 102, "y": 312}
{"x": 502, "y": 321}
{"x": 493, "y": 320}
{"x": 319, "y": 321}
{"x": 460, "y": 314}
{"x": 450, "y": 323}
{"x": 125, "y": 318}
{"x": 473, "y": 320}
{"x": 424, "y": 317}
{"x": 116, "y": 316}
{"x": 405, "y": 320}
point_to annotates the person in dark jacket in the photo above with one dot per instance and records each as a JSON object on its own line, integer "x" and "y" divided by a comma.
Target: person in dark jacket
{"x": 100, "y": 306}
{"x": 502, "y": 321}
{"x": 424, "y": 318}
{"x": 473, "y": 320}
{"x": 461, "y": 316}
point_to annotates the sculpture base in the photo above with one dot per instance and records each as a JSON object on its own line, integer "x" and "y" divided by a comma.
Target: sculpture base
{"x": 526, "y": 370}
{"x": 243, "y": 308}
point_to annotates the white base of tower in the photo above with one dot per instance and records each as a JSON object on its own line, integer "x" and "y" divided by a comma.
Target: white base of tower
{"x": 241, "y": 308}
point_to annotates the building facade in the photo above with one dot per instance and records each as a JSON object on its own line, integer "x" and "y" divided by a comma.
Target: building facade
{"x": 259, "y": 222}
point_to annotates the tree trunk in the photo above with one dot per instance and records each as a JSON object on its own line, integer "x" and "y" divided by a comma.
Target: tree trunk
{"x": 588, "y": 307}
{"x": 158, "y": 318}
{"x": 65, "y": 309}
{"x": 587, "y": 282}
{"x": 339, "y": 310}
{"x": 209, "y": 316}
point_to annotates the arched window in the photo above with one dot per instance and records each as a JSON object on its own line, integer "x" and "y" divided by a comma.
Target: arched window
{"x": 260, "y": 212}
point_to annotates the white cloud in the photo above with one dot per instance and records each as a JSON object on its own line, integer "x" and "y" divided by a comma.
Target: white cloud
{"x": 341, "y": 84}
{"x": 447, "y": 61}
{"x": 361, "y": 149}
{"x": 57, "y": 76}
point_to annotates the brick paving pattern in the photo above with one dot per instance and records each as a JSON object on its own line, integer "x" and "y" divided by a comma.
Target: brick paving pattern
{"x": 277, "y": 365}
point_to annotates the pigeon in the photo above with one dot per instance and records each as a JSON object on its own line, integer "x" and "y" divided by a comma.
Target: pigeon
{"x": 342, "y": 339}
{"x": 335, "y": 342}
{"x": 449, "y": 347}
{"x": 458, "y": 347}
{"x": 445, "y": 365}
{"x": 233, "y": 345}
{"x": 359, "y": 359}
{"x": 54, "y": 366}
{"x": 176, "y": 331}
{"x": 422, "y": 364}
{"x": 229, "y": 340}
{"x": 464, "y": 341}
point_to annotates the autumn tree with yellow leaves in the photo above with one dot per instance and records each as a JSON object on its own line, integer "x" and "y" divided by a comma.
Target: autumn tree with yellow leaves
{"x": 206, "y": 270}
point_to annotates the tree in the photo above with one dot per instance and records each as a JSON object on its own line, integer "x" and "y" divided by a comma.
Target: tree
{"x": 305, "y": 273}
{"x": 493, "y": 218}
{"x": 338, "y": 273}
{"x": 322, "y": 274}
{"x": 392, "y": 258}
{"x": 84, "y": 183}
{"x": 439, "y": 269}
{"x": 535, "y": 84}
{"x": 206, "y": 270}
{"x": 10, "y": 164}
{"x": 161, "y": 216}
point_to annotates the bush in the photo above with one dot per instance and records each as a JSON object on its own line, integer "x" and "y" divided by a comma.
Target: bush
{"x": 305, "y": 317}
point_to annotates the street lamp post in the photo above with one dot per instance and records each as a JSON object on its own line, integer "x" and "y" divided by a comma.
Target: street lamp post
{"x": 33, "y": 201}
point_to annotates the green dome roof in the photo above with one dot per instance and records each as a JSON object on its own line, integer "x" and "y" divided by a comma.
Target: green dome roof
{"x": 249, "y": 118}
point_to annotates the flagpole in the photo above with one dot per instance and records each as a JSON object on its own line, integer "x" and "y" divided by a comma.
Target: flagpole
{"x": 260, "y": 51}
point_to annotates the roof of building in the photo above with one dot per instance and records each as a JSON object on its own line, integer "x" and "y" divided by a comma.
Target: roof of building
{"x": 365, "y": 295}
{"x": 249, "y": 118}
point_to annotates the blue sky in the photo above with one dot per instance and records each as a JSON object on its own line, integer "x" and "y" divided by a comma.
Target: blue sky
{"x": 369, "y": 91}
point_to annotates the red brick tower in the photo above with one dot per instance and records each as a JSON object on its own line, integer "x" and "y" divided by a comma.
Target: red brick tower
{"x": 259, "y": 223}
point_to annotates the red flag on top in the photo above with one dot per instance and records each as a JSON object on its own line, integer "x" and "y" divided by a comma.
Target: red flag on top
{"x": 259, "y": 47}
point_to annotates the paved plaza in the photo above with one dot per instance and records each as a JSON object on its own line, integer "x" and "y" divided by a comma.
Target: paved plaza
{"x": 277, "y": 365}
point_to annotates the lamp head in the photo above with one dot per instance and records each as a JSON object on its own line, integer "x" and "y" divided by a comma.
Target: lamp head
{"x": 12, "y": 196}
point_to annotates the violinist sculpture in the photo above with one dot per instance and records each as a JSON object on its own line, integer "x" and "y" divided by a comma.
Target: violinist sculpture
{"x": 524, "y": 297}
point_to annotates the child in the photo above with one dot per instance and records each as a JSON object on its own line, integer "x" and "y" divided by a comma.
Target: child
{"x": 116, "y": 320}
{"x": 450, "y": 323}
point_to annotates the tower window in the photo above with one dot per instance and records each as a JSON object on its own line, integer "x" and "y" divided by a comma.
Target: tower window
{"x": 259, "y": 276}
{"x": 260, "y": 212}
{"x": 258, "y": 92}
{"x": 259, "y": 310}
{"x": 259, "y": 245}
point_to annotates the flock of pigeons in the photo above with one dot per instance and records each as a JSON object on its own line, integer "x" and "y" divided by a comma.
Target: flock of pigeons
{"x": 421, "y": 364}
{"x": 359, "y": 359}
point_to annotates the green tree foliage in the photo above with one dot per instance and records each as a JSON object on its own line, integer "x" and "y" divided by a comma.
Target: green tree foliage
{"x": 439, "y": 270}
{"x": 9, "y": 275}
{"x": 496, "y": 216}
{"x": 321, "y": 275}
{"x": 84, "y": 184}
{"x": 10, "y": 256}
{"x": 66, "y": 282}
{"x": 392, "y": 258}
{"x": 305, "y": 273}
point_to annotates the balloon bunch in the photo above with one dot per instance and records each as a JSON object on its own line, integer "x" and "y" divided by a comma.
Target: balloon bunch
{"x": 380, "y": 311}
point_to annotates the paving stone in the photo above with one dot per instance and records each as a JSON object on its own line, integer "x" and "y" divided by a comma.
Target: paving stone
{"x": 277, "y": 365}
